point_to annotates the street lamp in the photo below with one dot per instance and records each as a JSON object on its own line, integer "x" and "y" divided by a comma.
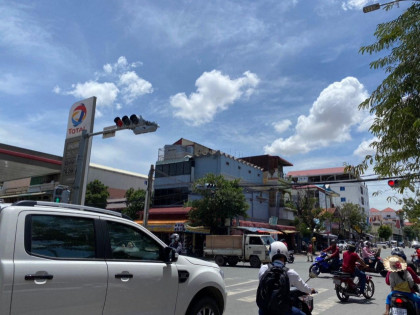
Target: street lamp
{"x": 377, "y": 6}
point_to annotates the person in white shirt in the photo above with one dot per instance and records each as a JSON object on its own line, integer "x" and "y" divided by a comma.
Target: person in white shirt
{"x": 278, "y": 255}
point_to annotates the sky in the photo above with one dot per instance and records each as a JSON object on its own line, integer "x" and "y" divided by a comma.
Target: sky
{"x": 244, "y": 77}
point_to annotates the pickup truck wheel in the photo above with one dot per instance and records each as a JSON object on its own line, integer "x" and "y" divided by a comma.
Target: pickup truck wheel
{"x": 220, "y": 260}
{"x": 233, "y": 261}
{"x": 204, "y": 306}
{"x": 255, "y": 262}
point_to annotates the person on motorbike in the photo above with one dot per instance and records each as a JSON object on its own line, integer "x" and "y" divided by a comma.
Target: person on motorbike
{"x": 278, "y": 255}
{"x": 350, "y": 258}
{"x": 399, "y": 280}
{"x": 335, "y": 254}
{"x": 396, "y": 251}
{"x": 175, "y": 243}
{"x": 367, "y": 254}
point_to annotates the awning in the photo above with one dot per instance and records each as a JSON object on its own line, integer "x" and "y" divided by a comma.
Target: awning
{"x": 164, "y": 225}
{"x": 290, "y": 231}
{"x": 258, "y": 229}
{"x": 196, "y": 229}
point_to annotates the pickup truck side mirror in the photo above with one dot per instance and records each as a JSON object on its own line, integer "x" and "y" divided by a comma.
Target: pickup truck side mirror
{"x": 169, "y": 255}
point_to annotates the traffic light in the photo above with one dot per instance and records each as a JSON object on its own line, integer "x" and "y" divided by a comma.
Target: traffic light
{"x": 393, "y": 183}
{"x": 135, "y": 123}
{"x": 61, "y": 194}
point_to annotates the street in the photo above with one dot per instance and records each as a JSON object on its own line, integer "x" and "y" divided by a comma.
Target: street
{"x": 242, "y": 282}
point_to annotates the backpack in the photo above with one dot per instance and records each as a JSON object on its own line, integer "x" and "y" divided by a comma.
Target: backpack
{"x": 273, "y": 293}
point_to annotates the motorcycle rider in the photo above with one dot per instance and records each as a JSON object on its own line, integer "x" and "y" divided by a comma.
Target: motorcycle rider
{"x": 175, "y": 243}
{"x": 367, "y": 254}
{"x": 278, "y": 256}
{"x": 350, "y": 258}
{"x": 396, "y": 251}
{"x": 335, "y": 254}
{"x": 399, "y": 280}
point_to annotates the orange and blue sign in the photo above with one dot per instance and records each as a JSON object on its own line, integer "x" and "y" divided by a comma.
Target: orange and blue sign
{"x": 79, "y": 115}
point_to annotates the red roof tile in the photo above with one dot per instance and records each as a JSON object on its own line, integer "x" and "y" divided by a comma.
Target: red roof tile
{"x": 373, "y": 210}
{"x": 322, "y": 171}
{"x": 388, "y": 210}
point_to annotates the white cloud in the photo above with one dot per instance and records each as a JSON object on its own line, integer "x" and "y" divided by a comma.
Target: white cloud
{"x": 354, "y": 4}
{"x": 124, "y": 85}
{"x": 106, "y": 92}
{"x": 57, "y": 89}
{"x": 329, "y": 121}
{"x": 134, "y": 86}
{"x": 282, "y": 126}
{"x": 364, "y": 148}
{"x": 215, "y": 93}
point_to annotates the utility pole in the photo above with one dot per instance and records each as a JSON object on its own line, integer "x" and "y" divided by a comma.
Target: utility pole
{"x": 148, "y": 196}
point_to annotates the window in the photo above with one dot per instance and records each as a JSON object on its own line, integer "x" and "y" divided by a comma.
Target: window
{"x": 342, "y": 188}
{"x": 363, "y": 200}
{"x": 130, "y": 243}
{"x": 61, "y": 236}
{"x": 343, "y": 199}
{"x": 255, "y": 241}
{"x": 361, "y": 190}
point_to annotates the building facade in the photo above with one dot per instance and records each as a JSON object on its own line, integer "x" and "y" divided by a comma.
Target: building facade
{"x": 388, "y": 217}
{"x": 338, "y": 181}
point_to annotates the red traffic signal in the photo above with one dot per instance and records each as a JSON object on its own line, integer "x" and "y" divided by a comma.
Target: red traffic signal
{"x": 393, "y": 183}
{"x": 118, "y": 121}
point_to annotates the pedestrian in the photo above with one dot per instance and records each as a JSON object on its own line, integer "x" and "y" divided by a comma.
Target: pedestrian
{"x": 309, "y": 253}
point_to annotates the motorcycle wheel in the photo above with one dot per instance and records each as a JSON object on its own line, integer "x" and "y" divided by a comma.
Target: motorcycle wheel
{"x": 291, "y": 260}
{"x": 314, "y": 269}
{"x": 340, "y": 290}
{"x": 369, "y": 289}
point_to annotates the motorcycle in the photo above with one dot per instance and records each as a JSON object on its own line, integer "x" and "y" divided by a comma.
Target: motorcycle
{"x": 291, "y": 257}
{"x": 346, "y": 287}
{"x": 402, "y": 305}
{"x": 302, "y": 301}
{"x": 321, "y": 265}
{"x": 415, "y": 263}
{"x": 376, "y": 265}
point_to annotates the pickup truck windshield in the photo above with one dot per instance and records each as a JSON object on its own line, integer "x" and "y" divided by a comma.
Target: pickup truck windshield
{"x": 267, "y": 239}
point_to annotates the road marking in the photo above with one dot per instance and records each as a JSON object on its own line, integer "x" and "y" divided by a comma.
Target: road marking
{"x": 240, "y": 291}
{"x": 250, "y": 281}
{"x": 248, "y": 299}
{"x": 319, "y": 308}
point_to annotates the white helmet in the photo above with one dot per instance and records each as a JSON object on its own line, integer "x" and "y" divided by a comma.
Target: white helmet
{"x": 175, "y": 237}
{"x": 278, "y": 248}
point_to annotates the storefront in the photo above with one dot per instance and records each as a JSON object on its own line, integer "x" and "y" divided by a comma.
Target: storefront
{"x": 163, "y": 222}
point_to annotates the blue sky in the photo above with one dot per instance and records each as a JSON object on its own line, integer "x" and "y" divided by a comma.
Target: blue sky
{"x": 245, "y": 77}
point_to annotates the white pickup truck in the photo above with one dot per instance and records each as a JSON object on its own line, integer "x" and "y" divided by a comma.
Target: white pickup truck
{"x": 231, "y": 249}
{"x": 70, "y": 259}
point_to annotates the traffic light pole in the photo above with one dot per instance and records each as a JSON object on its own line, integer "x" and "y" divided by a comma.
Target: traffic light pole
{"x": 79, "y": 186}
{"x": 148, "y": 196}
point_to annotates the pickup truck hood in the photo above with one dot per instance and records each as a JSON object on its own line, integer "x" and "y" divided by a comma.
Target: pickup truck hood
{"x": 199, "y": 262}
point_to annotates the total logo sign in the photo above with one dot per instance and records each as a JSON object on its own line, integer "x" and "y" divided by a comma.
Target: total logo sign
{"x": 81, "y": 117}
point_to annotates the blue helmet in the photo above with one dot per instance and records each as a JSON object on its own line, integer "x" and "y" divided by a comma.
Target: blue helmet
{"x": 399, "y": 252}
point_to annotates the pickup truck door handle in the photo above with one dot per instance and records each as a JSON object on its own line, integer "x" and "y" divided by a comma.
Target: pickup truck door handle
{"x": 39, "y": 277}
{"x": 123, "y": 275}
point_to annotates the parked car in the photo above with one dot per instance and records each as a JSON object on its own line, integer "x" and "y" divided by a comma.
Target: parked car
{"x": 381, "y": 244}
{"x": 415, "y": 244}
{"x": 342, "y": 245}
{"x": 71, "y": 259}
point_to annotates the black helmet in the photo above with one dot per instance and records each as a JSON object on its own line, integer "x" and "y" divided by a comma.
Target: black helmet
{"x": 399, "y": 252}
{"x": 351, "y": 247}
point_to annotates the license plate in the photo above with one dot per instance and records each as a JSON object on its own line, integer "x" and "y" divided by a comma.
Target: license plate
{"x": 398, "y": 311}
